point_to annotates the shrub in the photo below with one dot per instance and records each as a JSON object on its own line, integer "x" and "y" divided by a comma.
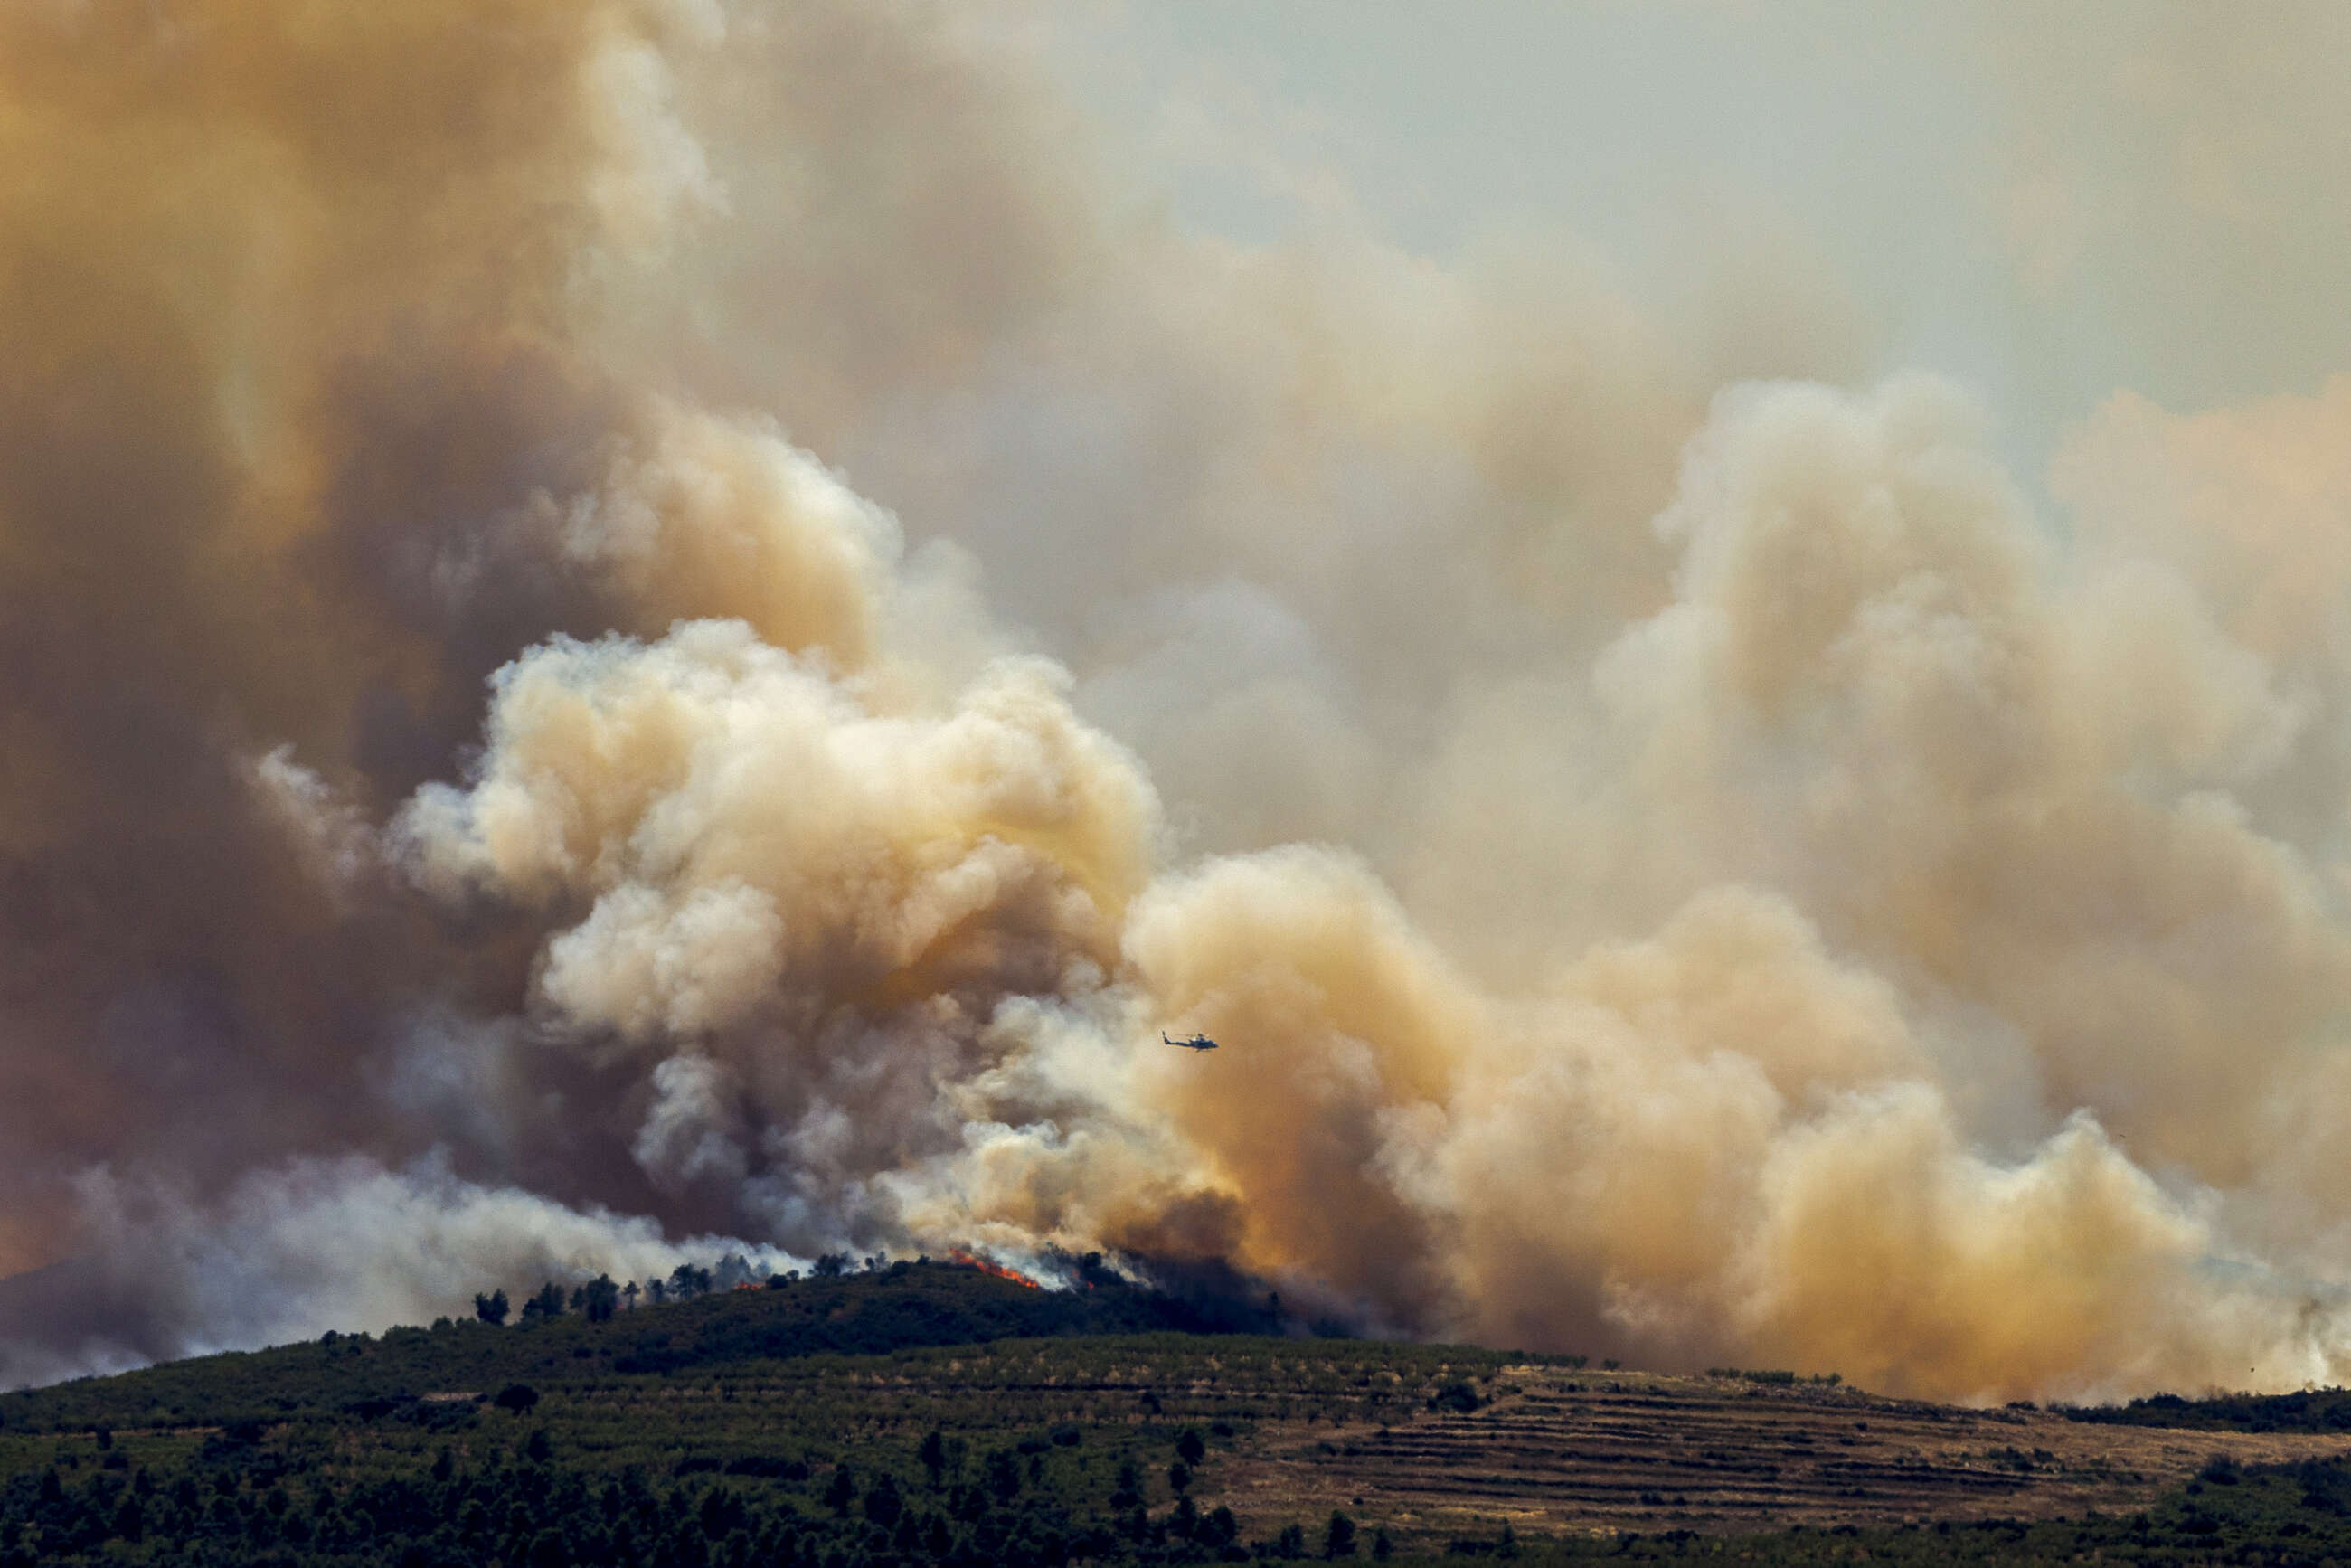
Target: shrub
{"x": 1457, "y": 1396}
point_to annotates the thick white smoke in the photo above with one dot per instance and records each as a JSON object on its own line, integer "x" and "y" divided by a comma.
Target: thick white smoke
{"x": 1928, "y": 800}
{"x": 316, "y": 1245}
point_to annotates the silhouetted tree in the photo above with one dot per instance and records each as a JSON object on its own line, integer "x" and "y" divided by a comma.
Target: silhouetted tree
{"x": 934, "y": 1455}
{"x": 492, "y": 1307}
{"x": 516, "y": 1398}
{"x": 544, "y": 1302}
{"x": 1188, "y": 1446}
{"x": 832, "y": 1265}
{"x": 599, "y": 1298}
{"x": 1338, "y": 1536}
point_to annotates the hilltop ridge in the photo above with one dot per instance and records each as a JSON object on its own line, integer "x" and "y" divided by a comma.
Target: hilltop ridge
{"x": 899, "y": 1306}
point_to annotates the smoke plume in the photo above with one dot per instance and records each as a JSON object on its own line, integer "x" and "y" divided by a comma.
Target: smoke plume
{"x": 646, "y": 627}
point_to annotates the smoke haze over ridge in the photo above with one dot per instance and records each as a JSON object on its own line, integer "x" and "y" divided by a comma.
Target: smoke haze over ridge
{"x": 654, "y": 625}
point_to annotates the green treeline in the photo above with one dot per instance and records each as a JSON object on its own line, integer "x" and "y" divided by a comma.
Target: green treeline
{"x": 2311, "y": 1410}
{"x": 243, "y": 1500}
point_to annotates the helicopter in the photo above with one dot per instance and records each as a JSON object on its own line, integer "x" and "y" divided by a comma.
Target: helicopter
{"x": 1198, "y": 1042}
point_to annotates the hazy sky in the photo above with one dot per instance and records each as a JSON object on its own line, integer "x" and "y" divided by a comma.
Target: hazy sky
{"x": 2048, "y": 207}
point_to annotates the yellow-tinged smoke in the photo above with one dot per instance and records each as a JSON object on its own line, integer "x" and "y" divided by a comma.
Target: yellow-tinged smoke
{"x": 1801, "y": 909}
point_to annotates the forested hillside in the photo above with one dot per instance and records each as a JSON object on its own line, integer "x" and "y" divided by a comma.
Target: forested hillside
{"x": 796, "y": 1423}
{"x": 901, "y": 1306}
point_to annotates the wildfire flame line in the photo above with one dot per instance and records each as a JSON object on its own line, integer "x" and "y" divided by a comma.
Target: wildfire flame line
{"x": 963, "y": 1260}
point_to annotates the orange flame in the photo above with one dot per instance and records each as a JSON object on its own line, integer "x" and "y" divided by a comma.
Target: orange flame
{"x": 963, "y": 1260}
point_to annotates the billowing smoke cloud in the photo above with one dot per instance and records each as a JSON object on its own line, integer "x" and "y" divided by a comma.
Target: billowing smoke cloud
{"x": 1693, "y": 874}
{"x": 310, "y": 1246}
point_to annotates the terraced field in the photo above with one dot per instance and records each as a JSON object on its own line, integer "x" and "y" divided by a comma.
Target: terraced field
{"x": 1558, "y": 1451}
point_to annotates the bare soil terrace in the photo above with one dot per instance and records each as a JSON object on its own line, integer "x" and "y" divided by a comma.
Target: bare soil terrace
{"x": 1560, "y": 1451}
